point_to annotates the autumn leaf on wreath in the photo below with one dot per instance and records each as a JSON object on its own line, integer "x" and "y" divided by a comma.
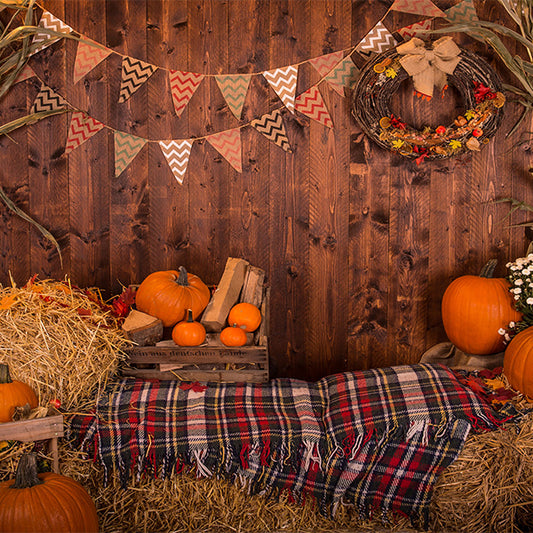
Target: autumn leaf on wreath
{"x": 455, "y": 144}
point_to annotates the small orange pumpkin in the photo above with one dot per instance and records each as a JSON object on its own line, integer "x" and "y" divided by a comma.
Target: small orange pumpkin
{"x": 245, "y": 315}
{"x": 518, "y": 362}
{"x": 14, "y": 394}
{"x": 188, "y": 332}
{"x": 35, "y": 502}
{"x": 474, "y": 308}
{"x": 168, "y": 294}
{"x": 233, "y": 336}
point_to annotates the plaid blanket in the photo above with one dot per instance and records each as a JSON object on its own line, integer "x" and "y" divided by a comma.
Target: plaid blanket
{"x": 376, "y": 438}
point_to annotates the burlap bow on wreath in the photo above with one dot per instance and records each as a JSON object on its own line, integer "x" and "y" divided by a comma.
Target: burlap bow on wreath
{"x": 429, "y": 68}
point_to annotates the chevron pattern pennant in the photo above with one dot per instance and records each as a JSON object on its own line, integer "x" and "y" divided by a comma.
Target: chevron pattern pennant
{"x": 177, "y": 155}
{"x": 234, "y": 89}
{"x": 87, "y": 57}
{"x": 378, "y": 39}
{"x": 228, "y": 145}
{"x": 417, "y": 7}
{"x": 25, "y": 74}
{"x": 415, "y": 30}
{"x": 47, "y": 100}
{"x": 134, "y": 73}
{"x": 126, "y": 148}
{"x": 324, "y": 64}
{"x": 48, "y": 22}
{"x": 272, "y": 127}
{"x": 283, "y": 81}
{"x": 462, "y": 12}
{"x": 311, "y": 104}
{"x": 344, "y": 75}
{"x": 82, "y": 127}
{"x": 182, "y": 86}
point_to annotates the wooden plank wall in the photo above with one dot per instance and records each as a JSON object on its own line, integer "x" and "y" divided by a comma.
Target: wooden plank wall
{"x": 358, "y": 243}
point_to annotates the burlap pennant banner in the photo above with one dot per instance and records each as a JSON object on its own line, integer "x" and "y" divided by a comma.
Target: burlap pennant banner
{"x": 324, "y": 64}
{"x": 343, "y": 75}
{"x": 272, "y": 127}
{"x": 417, "y": 7}
{"x": 311, "y": 104}
{"x": 228, "y": 145}
{"x": 463, "y": 12}
{"x": 47, "y": 100}
{"x": 82, "y": 127}
{"x": 177, "y": 155}
{"x": 234, "y": 89}
{"x": 25, "y": 74}
{"x": 417, "y": 29}
{"x": 88, "y": 56}
{"x": 183, "y": 85}
{"x": 134, "y": 74}
{"x": 377, "y": 40}
{"x": 48, "y": 22}
{"x": 283, "y": 81}
{"x": 126, "y": 149}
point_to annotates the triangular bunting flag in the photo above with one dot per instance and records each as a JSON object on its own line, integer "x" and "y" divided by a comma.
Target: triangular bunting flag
{"x": 344, "y": 75}
{"x": 82, "y": 127}
{"x": 41, "y": 39}
{"x": 47, "y": 100}
{"x": 311, "y": 104}
{"x": 462, "y": 12}
{"x": 272, "y": 127}
{"x": 177, "y": 154}
{"x": 417, "y": 7}
{"x": 324, "y": 64}
{"x": 126, "y": 148}
{"x": 234, "y": 89}
{"x": 134, "y": 73}
{"x": 25, "y": 74}
{"x": 228, "y": 145}
{"x": 283, "y": 81}
{"x": 416, "y": 29}
{"x": 378, "y": 39}
{"x": 87, "y": 57}
{"x": 182, "y": 86}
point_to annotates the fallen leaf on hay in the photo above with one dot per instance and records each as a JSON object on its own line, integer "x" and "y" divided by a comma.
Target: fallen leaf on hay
{"x": 7, "y": 301}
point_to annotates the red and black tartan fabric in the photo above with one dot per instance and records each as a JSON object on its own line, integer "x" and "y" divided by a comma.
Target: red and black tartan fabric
{"x": 377, "y": 439}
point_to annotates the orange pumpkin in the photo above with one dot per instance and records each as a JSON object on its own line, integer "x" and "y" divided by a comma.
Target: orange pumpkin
{"x": 45, "y": 502}
{"x": 245, "y": 315}
{"x": 233, "y": 336}
{"x": 518, "y": 362}
{"x": 13, "y": 394}
{"x": 475, "y": 308}
{"x": 167, "y": 295}
{"x": 188, "y": 332}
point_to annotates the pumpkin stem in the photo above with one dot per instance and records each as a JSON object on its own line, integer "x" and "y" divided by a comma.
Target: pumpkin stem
{"x": 488, "y": 270}
{"x": 189, "y": 316}
{"x": 183, "y": 278}
{"x": 5, "y": 377}
{"x": 26, "y": 474}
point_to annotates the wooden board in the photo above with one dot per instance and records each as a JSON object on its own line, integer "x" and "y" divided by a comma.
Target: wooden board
{"x": 33, "y": 430}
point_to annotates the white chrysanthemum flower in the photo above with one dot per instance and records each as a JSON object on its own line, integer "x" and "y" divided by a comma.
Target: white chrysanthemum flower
{"x": 518, "y": 281}
{"x": 512, "y": 324}
{"x": 516, "y": 297}
{"x": 501, "y": 331}
{"x": 529, "y": 301}
{"x": 507, "y": 337}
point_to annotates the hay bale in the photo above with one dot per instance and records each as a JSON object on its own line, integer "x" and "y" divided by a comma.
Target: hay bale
{"x": 61, "y": 340}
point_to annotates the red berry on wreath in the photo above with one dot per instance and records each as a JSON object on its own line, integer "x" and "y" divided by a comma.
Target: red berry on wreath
{"x": 440, "y": 130}
{"x": 477, "y": 132}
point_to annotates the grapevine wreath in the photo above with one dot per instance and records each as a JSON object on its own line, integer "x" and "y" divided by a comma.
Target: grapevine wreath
{"x": 441, "y": 64}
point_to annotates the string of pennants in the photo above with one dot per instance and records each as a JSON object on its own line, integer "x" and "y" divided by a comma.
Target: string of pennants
{"x": 337, "y": 69}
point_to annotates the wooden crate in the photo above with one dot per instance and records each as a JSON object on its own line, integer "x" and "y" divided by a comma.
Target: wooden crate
{"x": 211, "y": 361}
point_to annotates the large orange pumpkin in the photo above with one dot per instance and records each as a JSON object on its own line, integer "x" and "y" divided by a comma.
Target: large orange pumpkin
{"x": 45, "y": 502}
{"x": 474, "y": 308}
{"x": 245, "y": 315}
{"x": 518, "y": 362}
{"x": 168, "y": 294}
{"x": 13, "y": 394}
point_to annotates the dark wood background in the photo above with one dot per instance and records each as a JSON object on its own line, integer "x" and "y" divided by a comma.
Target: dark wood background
{"x": 358, "y": 243}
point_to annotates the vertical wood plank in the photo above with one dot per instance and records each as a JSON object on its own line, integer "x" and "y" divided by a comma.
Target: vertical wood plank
{"x": 88, "y": 165}
{"x": 128, "y": 211}
{"x": 48, "y": 167}
{"x": 327, "y": 310}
